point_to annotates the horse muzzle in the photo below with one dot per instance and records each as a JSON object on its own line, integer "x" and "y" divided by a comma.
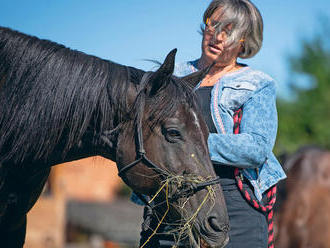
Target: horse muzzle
{"x": 214, "y": 233}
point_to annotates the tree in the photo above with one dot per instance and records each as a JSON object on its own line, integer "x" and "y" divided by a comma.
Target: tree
{"x": 306, "y": 120}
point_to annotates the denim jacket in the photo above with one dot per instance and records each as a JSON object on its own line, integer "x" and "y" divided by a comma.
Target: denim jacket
{"x": 251, "y": 150}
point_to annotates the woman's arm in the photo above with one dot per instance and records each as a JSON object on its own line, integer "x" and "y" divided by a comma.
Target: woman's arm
{"x": 250, "y": 148}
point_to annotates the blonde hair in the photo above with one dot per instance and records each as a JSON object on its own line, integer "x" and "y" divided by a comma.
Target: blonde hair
{"x": 246, "y": 21}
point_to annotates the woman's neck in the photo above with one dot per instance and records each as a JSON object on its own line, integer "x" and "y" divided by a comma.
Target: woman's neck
{"x": 217, "y": 71}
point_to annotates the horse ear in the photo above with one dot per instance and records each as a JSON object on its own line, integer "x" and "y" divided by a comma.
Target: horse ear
{"x": 160, "y": 77}
{"x": 194, "y": 78}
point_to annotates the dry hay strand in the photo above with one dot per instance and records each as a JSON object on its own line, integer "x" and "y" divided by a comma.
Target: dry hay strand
{"x": 172, "y": 185}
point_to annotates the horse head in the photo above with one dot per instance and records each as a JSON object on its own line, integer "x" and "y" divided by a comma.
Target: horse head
{"x": 162, "y": 152}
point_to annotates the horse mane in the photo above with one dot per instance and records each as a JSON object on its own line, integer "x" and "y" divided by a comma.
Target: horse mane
{"x": 48, "y": 90}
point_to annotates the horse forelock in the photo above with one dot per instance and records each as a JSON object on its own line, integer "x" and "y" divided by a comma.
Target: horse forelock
{"x": 48, "y": 90}
{"x": 166, "y": 103}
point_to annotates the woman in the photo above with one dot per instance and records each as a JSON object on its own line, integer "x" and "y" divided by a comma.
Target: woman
{"x": 234, "y": 28}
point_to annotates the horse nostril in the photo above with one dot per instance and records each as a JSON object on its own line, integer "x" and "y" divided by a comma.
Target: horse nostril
{"x": 214, "y": 224}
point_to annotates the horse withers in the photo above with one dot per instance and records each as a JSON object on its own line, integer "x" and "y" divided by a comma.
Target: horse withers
{"x": 59, "y": 105}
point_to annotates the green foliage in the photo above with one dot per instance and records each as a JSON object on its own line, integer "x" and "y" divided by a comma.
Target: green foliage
{"x": 306, "y": 119}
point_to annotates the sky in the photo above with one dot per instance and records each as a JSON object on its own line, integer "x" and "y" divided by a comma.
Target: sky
{"x": 130, "y": 32}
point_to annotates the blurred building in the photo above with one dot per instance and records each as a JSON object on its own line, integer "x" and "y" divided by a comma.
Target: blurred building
{"x": 81, "y": 196}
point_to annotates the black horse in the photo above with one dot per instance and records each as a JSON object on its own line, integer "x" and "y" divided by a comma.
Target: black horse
{"x": 59, "y": 105}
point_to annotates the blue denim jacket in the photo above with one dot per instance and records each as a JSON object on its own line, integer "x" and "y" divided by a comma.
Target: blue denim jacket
{"x": 251, "y": 150}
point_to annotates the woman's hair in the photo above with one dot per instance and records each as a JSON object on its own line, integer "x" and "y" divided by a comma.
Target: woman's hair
{"x": 246, "y": 21}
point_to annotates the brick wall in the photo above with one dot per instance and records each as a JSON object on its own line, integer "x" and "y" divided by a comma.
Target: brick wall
{"x": 46, "y": 223}
{"x": 91, "y": 179}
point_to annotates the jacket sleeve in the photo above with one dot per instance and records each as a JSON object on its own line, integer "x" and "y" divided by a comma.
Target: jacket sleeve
{"x": 254, "y": 144}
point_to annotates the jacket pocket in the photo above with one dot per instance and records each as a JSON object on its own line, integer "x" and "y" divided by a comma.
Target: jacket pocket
{"x": 234, "y": 95}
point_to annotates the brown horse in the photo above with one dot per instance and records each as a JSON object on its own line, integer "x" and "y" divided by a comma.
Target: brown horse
{"x": 304, "y": 217}
{"x": 59, "y": 105}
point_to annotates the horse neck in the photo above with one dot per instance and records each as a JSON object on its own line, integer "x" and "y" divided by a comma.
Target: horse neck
{"x": 122, "y": 91}
{"x": 123, "y": 94}
{"x": 87, "y": 93}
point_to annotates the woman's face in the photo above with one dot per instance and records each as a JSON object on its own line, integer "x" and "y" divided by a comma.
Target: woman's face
{"x": 214, "y": 47}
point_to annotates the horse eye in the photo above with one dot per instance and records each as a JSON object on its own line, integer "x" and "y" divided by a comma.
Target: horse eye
{"x": 172, "y": 135}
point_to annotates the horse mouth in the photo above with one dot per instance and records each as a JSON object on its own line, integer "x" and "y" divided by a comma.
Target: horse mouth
{"x": 204, "y": 244}
{"x": 199, "y": 240}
